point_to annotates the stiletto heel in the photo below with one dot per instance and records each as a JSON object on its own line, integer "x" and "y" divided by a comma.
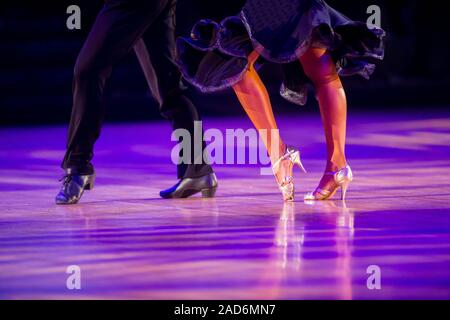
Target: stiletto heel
{"x": 90, "y": 183}
{"x": 287, "y": 186}
{"x": 342, "y": 178}
{"x": 297, "y": 161}
{"x": 344, "y": 188}
{"x": 209, "y": 193}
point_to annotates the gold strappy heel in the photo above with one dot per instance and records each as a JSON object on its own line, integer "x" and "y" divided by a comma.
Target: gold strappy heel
{"x": 286, "y": 186}
{"x": 342, "y": 178}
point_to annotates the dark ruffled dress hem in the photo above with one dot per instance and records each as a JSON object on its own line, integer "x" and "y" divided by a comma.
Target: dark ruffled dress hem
{"x": 214, "y": 57}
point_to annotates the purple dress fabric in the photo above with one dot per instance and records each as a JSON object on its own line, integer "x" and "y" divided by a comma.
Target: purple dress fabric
{"x": 214, "y": 57}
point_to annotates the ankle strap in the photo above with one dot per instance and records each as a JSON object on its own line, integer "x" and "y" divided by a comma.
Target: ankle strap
{"x": 331, "y": 173}
{"x": 286, "y": 155}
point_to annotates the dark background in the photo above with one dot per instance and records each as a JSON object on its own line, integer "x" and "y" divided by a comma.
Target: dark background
{"x": 38, "y": 53}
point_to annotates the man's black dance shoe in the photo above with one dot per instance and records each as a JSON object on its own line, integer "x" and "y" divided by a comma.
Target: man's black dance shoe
{"x": 73, "y": 188}
{"x": 187, "y": 187}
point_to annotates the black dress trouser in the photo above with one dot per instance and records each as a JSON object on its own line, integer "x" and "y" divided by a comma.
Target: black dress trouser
{"x": 148, "y": 27}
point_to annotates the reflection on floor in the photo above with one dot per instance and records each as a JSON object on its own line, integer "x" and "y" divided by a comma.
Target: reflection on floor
{"x": 244, "y": 244}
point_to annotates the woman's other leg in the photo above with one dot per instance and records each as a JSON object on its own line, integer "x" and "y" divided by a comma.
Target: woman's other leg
{"x": 320, "y": 68}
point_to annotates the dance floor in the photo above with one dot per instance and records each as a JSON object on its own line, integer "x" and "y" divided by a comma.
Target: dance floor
{"x": 244, "y": 244}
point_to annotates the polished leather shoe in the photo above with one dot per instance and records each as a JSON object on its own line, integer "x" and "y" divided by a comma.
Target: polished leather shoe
{"x": 73, "y": 188}
{"x": 187, "y": 187}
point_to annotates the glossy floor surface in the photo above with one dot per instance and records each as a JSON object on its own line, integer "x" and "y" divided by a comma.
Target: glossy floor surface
{"x": 245, "y": 243}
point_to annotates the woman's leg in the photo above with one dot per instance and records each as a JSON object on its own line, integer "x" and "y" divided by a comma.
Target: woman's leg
{"x": 321, "y": 69}
{"x": 254, "y": 98}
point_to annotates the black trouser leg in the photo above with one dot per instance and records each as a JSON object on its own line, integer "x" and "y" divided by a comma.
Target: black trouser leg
{"x": 182, "y": 114}
{"x": 156, "y": 54}
{"x": 117, "y": 28}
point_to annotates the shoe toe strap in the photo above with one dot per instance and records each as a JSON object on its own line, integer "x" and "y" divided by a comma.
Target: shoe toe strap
{"x": 286, "y": 180}
{"x": 323, "y": 192}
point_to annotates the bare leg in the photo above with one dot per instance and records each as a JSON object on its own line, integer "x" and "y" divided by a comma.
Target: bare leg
{"x": 320, "y": 68}
{"x": 254, "y": 98}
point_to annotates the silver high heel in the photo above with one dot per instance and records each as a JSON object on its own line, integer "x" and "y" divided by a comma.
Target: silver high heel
{"x": 342, "y": 178}
{"x": 286, "y": 186}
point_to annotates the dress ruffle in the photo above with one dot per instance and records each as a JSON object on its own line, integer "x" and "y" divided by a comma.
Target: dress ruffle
{"x": 214, "y": 57}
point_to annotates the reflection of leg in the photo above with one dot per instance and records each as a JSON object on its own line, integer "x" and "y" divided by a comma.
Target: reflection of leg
{"x": 254, "y": 98}
{"x": 320, "y": 68}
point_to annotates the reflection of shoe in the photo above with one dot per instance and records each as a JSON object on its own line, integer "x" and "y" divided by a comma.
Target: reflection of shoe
{"x": 286, "y": 185}
{"x": 187, "y": 187}
{"x": 73, "y": 188}
{"x": 342, "y": 178}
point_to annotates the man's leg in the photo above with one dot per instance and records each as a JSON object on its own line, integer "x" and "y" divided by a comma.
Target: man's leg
{"x": 164, "y": 80}
{"x": 117, "y": 28}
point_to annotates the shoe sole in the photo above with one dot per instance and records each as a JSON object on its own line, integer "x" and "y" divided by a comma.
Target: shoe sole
{"x": 206, "y": 193}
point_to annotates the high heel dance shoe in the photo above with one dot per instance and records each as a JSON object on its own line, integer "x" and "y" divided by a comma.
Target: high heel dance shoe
{"x": 286, "y": 185}
{"x": 342, "y": 178}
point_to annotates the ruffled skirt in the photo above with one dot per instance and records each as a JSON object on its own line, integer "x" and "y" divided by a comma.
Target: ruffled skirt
{"x": 214, "y": 56}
